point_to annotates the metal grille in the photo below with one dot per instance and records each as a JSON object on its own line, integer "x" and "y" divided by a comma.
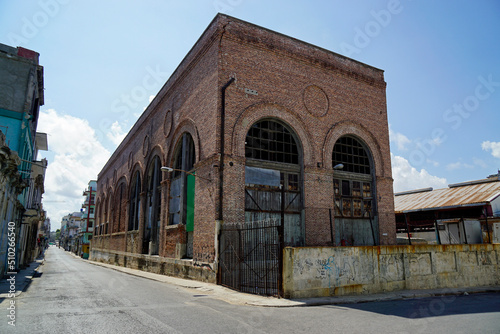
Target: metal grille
{"x": 251, "y": 257}
{"x": 349, "y": 152}
{"x": 271, "y": 141}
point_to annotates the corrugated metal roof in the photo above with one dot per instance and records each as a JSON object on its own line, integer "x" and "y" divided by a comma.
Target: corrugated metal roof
{"x": 466, "y": 195}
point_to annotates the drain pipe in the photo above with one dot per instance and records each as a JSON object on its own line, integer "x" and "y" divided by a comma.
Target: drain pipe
{"x": 222, "y": 139}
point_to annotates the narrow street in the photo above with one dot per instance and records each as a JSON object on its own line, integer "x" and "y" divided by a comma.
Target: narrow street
{"x": 74, "y": 296}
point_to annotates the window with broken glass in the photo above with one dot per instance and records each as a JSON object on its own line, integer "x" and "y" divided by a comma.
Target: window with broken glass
{"x": 135, "y": 203}
{"x": 273, "y": 171}
{"x": 271, "y": 141}
{"x": 352, "y": 185}
{"x": 352, "y": 198}
{"x": 153, "y": 207}
{"x": 272, "y": 159}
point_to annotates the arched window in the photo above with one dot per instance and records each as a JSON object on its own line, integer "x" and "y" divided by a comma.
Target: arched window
{"x": 272, "y": 170}
{"x": 182, "y": 189}
{"x": 153, "y": 208}
{"x": 108, "y": 214}
{"x": 97, "y": 217}
{"x": 271, "y": 141}
{"x": 119, "y": 208}
{"x": 135, "y": 203}
{"x": 353, "y": 193}
{"x": 349, "y": 152}
{"x": 184, "y": 160}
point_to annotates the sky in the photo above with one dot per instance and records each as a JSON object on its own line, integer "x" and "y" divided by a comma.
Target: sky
{"x": 105, "y": 60}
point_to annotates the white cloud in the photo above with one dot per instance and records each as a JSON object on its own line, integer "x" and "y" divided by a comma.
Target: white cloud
{"x": 407, "y": 177}
{"x": 78, "y": 158}
{"x": 399, "y": 139}
{"x": 494, "y": 147}
{"x": 116, "y": 133}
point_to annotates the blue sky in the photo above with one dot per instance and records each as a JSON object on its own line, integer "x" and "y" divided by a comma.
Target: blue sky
{"x": 104, "y": 60}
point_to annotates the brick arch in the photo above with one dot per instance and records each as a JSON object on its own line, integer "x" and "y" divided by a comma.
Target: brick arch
{"x": 123, "y": 178}
{"x": 101, "y": 209}
{"x": 119, "y": 218}
{"x": 157, "y": 150}
{"x": 107, "y": 205}
{"x": 97, "y": 214}
{"x": 350, "y": 128}
{"x": 260, "y": 111}
{"x": 138, "y": 167}
{"x": 144, "y": 184}
{"x": 185, "y": 126}
{"x": 108, "y": 192}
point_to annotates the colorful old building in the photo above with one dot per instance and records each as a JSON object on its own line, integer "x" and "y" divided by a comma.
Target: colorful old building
{"x": 87, "y": 221}
{"x": 21, "y": 176}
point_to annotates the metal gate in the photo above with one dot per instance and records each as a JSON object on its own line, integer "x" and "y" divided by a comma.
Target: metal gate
{"x": 250, "y": 257}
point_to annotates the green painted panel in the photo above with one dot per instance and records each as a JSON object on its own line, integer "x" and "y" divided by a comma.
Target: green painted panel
{"x": 11, "y": 114}
{"x": 190, "y": 203}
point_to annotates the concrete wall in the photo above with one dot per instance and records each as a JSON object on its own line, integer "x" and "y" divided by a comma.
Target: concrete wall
{"x": 338, "y": 271}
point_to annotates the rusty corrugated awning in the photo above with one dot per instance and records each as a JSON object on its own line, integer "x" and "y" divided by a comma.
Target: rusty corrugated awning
{"x": 476, "y": 193}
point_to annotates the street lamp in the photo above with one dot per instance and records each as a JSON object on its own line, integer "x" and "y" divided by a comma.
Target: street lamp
{"x": 338, "y": 167}
{"x": 170, "y": 170}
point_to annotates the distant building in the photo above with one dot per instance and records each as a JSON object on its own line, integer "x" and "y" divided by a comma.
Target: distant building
{"x": 88, "y": 218}
{"x": 70, "y": 225}
{"x": 463, "y": 213}
{"x": 21, "y": 176}
{"x": 43, "y": 237}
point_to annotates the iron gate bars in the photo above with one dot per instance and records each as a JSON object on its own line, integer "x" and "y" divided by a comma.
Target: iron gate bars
{"x": 251, "y": 257}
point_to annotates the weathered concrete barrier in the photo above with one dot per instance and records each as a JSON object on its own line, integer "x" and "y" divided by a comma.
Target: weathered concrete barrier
{"x": 340, "y": 271}
{"x": 156, "y": 264}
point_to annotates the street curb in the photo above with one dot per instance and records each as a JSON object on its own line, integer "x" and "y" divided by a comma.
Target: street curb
{"x": 241, "y": 298}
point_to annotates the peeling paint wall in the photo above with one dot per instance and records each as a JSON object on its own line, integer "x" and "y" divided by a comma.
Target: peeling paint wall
{"x": 338, "y": 271}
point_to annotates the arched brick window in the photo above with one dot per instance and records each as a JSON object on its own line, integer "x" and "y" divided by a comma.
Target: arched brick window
{"x": 353, "y": 189}
{"x": 273, "y": 169}
{"x": 270, "y": 140}
{"x": 153, "y": 208}
{"x": 351, "y": 153}
{"x": 119, "y": 208}
{"x": 108, "y": 214}
{"x": 135, "y": 202}
{"x": 184, "y": 160}
{"x": 182, "y": 189}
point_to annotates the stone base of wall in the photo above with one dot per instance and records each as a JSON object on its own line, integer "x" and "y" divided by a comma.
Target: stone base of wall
{"x": 340, "y": 271}
{"x": 204, "y": 272}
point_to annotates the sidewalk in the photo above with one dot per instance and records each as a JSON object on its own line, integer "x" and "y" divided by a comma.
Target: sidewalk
{"x": 240, "y": 298}
{"x": 22, "y": 279}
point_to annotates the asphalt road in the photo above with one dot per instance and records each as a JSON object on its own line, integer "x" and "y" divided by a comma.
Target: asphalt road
{"x": 74, "y": 296}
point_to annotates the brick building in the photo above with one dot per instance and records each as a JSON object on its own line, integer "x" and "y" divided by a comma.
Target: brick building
{"x": 284, "y": 113}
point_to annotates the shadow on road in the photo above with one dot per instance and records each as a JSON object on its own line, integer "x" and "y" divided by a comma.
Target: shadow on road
{"x": 432, "y": 306}
{"x": 11, "y": 285}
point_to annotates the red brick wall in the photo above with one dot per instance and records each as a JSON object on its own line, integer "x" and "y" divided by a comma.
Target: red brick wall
{"x": 321, "y": 96}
